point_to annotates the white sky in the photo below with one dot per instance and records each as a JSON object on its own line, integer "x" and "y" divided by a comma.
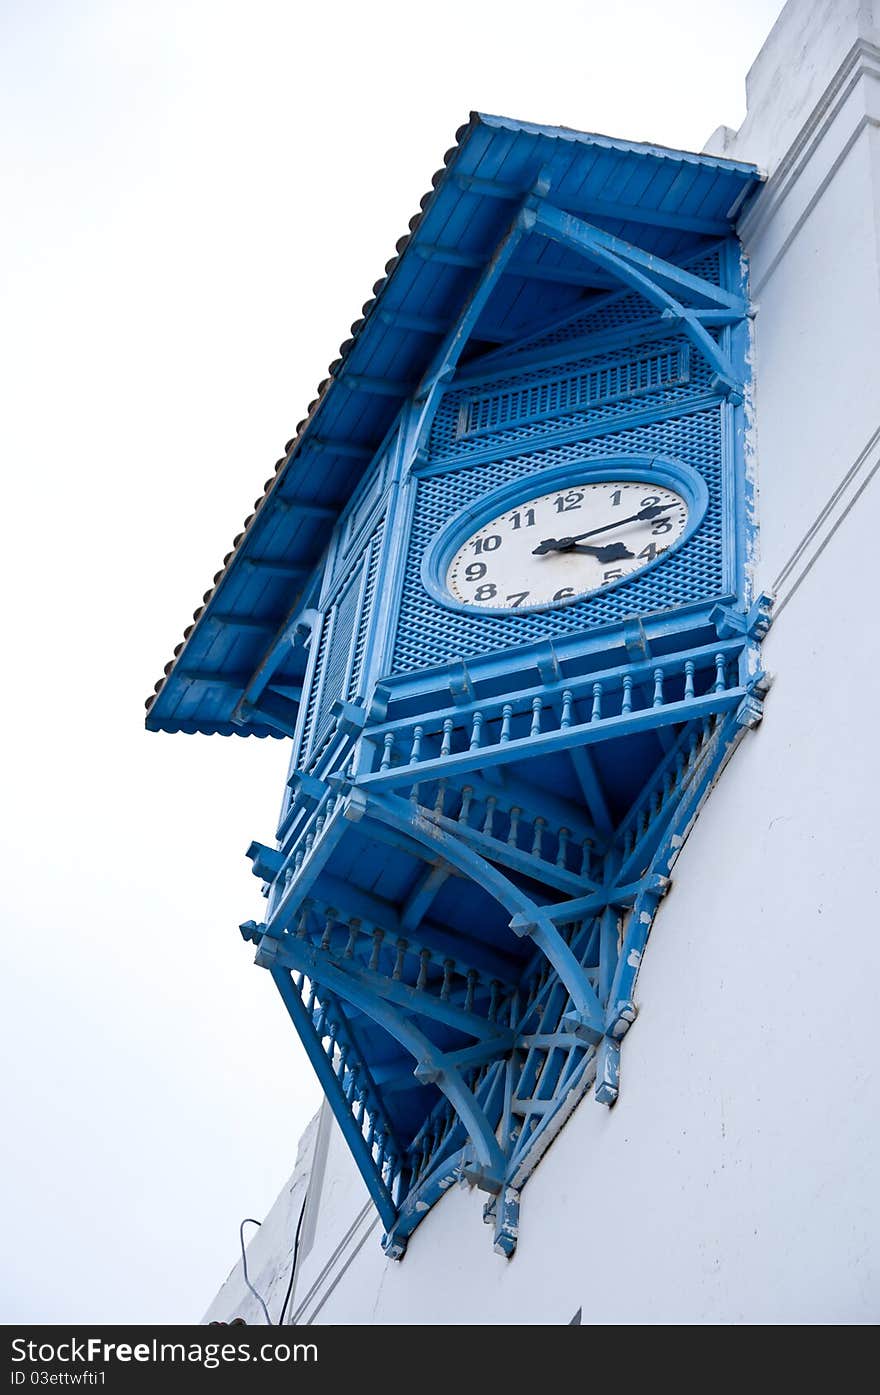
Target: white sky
{"x": 197, "y": 197}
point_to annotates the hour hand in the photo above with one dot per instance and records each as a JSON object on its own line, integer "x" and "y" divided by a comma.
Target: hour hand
{"x": 611, "y": 552}
{"x": 608, "y": 552}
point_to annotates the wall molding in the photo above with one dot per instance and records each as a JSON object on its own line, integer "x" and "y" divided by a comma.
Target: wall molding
{"x": 862, "y": 61}
{"x": 826, "y": 523}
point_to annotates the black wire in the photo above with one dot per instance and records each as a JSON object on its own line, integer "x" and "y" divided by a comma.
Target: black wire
{"x": 293, "y": 1265}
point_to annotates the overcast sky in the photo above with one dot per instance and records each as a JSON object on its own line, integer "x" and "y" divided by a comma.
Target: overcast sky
{"x": 197, "y": 197}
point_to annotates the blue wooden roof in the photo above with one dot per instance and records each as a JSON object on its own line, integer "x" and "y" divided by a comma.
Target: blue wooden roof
{"x": 668, "y": 201}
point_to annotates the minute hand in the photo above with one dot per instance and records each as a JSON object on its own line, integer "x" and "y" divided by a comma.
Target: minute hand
{"x": 560, "y": 544}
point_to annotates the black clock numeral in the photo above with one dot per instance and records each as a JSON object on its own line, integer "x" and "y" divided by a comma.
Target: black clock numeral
{"x": 516, "y": 598}
{"x": 517, "y": 519}
{"x": 475, "y": 571}
{"x": 490, "y": 544}
{"x": 651, "y": 501}
{"x": 663, "y": 525}
{"x": 649, "y": 552}
{"x": 486, "y": 592}
{"x": 612, "y": 574}
{"x": 561, "y": 595}
{"x": 566, "y": 502}
{"x": 615, "y": 498}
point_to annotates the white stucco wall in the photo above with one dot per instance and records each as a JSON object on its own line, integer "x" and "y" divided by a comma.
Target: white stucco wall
{"x": 735, "y": 1179}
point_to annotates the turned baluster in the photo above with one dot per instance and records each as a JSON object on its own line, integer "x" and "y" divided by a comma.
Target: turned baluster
{"x": 388, "y": 750}
{"x": 441, "y": 796}
{"x": 627, "y": 703}
{"x": 720, "y": 677}
{"x": 354, "y": 926}
{"x": 489, "y": 820}
{"x": 310, "y": 842}
{"x": 539, "y": 826}
{"x": 378, "y": 937}
{"x": 535, "y": 728}
{"x": 415, "y": 754}
{"x": 476, "y": 732}
{"x": 563, "y": 837}
{"x": 506, "y": 714}
{"x": 402, "y": 946}
{"x": 424, "y": 959}
{"x": 494, "y": 990}
{"x": 514, "y": 825}
{"x": 302, "y": 928}
{"x": 328, "y": 929}
{"x": 658, "y": 687}
{"x": 586, "y": 855}
{"x": 596, "y": 713}
{"x": 689, "y": 679}
{"x": 472, "y": 977}
{"x": 467, "y": 795}
{"x": 567, "y": 702}
{"x": 446, "y": 744}
{"x": 319, "y": 827}
{"x": 448, "y": 970}
{"x": 299, "y": 858}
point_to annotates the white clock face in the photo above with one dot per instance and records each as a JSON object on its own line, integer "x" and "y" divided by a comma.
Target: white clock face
{"x": 568, "y": 543}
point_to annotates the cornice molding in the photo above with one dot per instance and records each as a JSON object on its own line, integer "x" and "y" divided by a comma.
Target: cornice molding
{"x": 862, "y": 61}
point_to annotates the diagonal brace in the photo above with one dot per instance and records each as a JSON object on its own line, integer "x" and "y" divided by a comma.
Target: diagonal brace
{"x": 590, "y": 242}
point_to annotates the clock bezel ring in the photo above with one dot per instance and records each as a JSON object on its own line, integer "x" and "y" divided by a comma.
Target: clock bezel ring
{"x": 662, "y": 470}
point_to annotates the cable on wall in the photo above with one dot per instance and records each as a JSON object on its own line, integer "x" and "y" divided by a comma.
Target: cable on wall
{"x": 302, "y": 1212}
{"x": 249, "y": 1220}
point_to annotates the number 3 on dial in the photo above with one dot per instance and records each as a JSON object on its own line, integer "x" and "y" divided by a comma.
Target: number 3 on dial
{"x": 566, "y": 544}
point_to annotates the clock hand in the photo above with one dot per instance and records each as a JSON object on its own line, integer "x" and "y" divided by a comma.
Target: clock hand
{"x": 611, "y": 552}
{"x": 564, "y": 544}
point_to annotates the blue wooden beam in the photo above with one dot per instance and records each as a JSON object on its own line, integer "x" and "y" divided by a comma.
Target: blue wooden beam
{"x": 601, "y": 208}
{"x": 360, "y": 985}
{"x": 291, "y": 570}
{"x": 443, "y": 363}
{"x": 397, "y": 812}
{"x": 591, "y": 788}
{"x": 323, "y": 1068}
{"x": 240, "y": 622}
{"x": 630, "y": 268}
{"x": 350, "y": 449}
{"x": 297, "y": 622}
{"x": 432, "y": 1067}
{"x": 665, "y": 273}
{"x": 381, "y": 387}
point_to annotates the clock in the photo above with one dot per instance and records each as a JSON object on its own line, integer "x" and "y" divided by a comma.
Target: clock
{"x": 566, "y": 544}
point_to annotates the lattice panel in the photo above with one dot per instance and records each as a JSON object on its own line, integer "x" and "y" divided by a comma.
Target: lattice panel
{"x": 357, "y": 667}
{"x": 428, "y": 633}
{"x": 519, "y": 404}
{"x": 343, "y": 645}
{"x": 652, "y": 374}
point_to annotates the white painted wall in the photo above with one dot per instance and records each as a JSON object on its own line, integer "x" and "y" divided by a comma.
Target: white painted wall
{"x": 735, "y": 1179}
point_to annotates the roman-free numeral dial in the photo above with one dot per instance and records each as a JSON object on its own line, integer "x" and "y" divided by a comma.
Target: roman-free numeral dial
{"x": 566, "y": 544}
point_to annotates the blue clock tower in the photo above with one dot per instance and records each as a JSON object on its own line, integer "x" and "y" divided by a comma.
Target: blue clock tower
{"x": 497, "y": 598}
